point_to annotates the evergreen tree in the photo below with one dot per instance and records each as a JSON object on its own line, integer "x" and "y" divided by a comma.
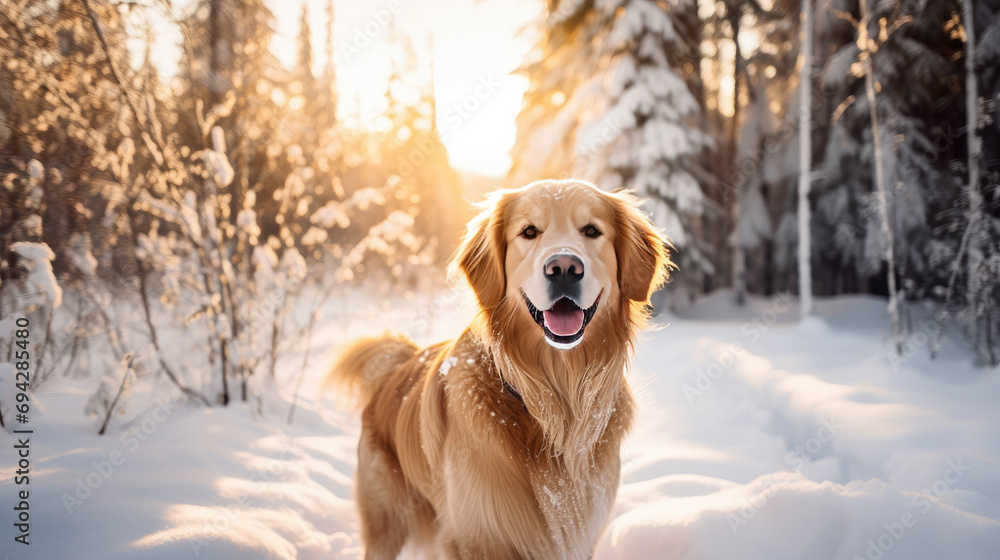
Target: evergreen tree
{"x": 913, "y": 78}
{"x": 611, "y": 100}
{"x": 745, "y": 137}
{"x": 980, "y": 32}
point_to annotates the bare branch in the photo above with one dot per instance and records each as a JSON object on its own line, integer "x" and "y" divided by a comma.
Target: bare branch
{"x": 839, "y": 112}
{"x": 96, "y": 24}
{"x": 846, "y": 16}
{"x": 125, "y": 367}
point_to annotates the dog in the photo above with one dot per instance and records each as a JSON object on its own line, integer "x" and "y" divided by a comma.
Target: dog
{"x": 504, "y": 443}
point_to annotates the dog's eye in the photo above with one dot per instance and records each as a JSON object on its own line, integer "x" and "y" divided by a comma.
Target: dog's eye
{"x": 529, "y": 232}
{"x": 591, "y": 231}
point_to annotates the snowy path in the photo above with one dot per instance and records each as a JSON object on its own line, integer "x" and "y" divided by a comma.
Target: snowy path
{"x": 893, "y": 463}
{"x": 757, "y": 438}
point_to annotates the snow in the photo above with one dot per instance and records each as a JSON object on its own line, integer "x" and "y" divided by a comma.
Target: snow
{"x": 758, "y": 437}
{"x": 755, "y": 221}
{"x": 629, "y": 118}
{"x": 447, "y": 364}
{"x": 38, "y": 260}
{"x": 216, "y": 160}
{"x": 638, "y": 18}
{"x": 840, "y": 68}
{"x": 331, "y": 214}
{"x": 35, "y": 169}
{"x": 80, "y": 254}
{"x": 218, "y": 165}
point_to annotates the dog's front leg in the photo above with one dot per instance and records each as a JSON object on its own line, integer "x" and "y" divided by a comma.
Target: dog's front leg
{"x": 488, "y": 510}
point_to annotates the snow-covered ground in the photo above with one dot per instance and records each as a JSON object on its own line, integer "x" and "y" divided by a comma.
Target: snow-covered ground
{"x": 759, "y": 437}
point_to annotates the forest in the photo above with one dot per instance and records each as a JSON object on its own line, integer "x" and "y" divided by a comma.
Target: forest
{"x": 893, "y": 191}
{"x": 203, "y": 201}
{"x": 812, "y": 148}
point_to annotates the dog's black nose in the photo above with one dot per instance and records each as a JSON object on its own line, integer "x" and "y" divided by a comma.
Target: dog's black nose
{"x": 564, "y": 269}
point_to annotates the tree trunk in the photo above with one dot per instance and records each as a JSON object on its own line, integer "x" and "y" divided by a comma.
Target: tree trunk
{"x": 975, "y": 215}
{"x": 214, "y": 35}
{"x": 805, "y": 161}
{"x": 866, "y": 56}
{"x": 767, "y": 273}
{"x": 224, "y": 352}
{"x": 739, "y": 252}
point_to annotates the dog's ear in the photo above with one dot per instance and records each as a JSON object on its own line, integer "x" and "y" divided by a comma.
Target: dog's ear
{"x": 643, "y": 258}
{"x": 482, "y": 253}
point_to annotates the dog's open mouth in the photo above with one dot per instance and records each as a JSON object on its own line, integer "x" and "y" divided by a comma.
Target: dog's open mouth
{"x": 564, "y": 322}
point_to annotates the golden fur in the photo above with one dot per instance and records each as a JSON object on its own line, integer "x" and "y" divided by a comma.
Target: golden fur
{"x": 497, "y": 445}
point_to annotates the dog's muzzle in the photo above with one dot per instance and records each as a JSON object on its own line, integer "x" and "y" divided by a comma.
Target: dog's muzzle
{"x": 564, "y": 322}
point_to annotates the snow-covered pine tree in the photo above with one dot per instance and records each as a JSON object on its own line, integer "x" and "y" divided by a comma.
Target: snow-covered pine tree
{"x": 778, "y": 62}
{"x": 751, "y": 123}
{"x": 918, "y": 105}
{"x": 610, "y": 100}
{"x": 844, "y": 166}
{"x": 564, "y": 62}
{"x": 911, "y": 69}
{"x": 986, "y": 18}
{"x": 980, "y": 32}
{"x": 756, "y": 136}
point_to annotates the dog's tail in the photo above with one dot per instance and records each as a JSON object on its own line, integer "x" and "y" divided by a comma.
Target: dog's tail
{"x": 362, "y": 365}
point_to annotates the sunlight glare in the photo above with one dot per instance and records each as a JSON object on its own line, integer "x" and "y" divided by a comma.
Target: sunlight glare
{"x": 466, "y": 43}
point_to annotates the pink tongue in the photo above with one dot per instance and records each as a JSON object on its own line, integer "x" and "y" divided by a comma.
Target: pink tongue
{"x": 564, "y": 319}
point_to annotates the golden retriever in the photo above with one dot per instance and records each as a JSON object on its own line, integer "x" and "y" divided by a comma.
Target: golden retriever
{"x": 504, "y": 443}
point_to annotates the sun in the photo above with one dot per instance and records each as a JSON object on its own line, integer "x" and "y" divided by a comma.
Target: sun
{"x": 466, "y": 47}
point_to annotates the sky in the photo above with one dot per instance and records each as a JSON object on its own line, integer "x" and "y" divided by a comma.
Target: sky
{"x": 475, "y": 45}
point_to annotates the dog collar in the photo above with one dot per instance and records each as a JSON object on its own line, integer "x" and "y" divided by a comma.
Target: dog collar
{"x": 510, "y": 388}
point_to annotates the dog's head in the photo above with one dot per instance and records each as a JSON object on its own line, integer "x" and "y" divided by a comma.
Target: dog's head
{"x": 562, "y": 254}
